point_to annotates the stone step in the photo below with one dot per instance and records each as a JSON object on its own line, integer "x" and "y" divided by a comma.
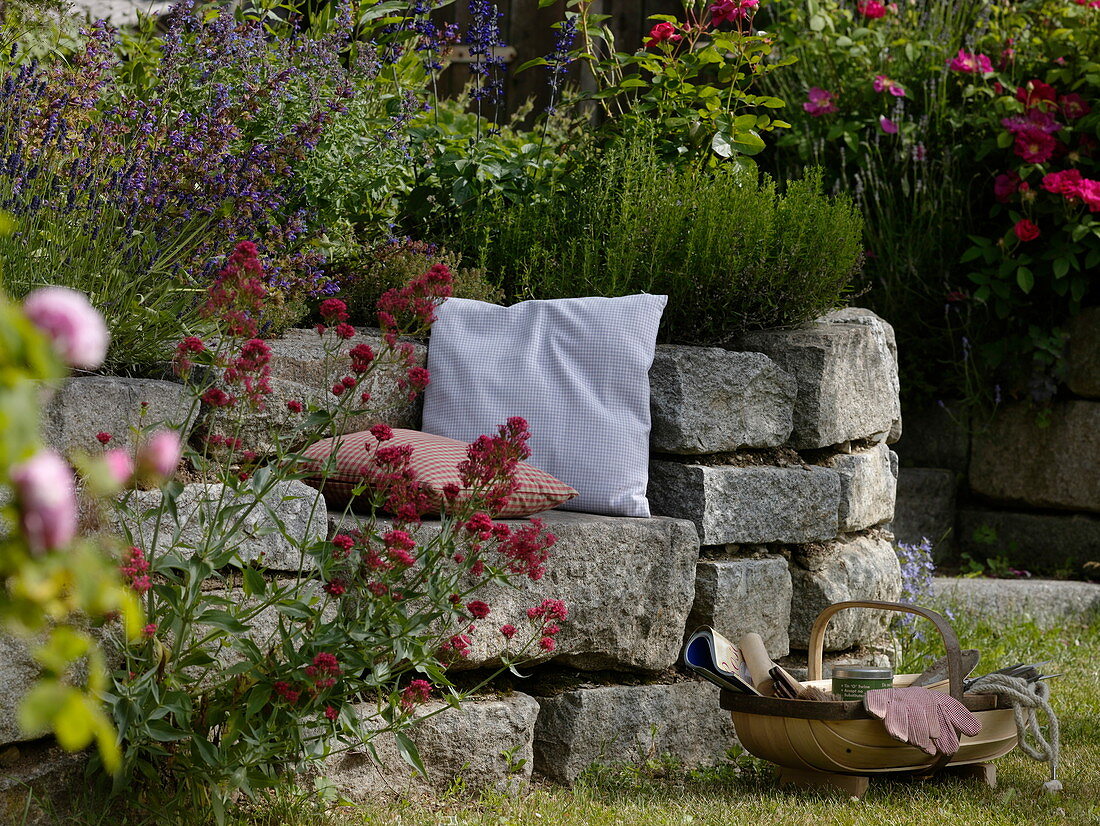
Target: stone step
{"x": 486, "y": 744}
{"x": 77, "y": 409}
{"x": 628, "y": 584}
{"x": 738, "y": 596}
{"x": 845, "y": 364}
{"x": 709, "y": 400}
{"x": 295, "y": 509}
{"x": 857, "y": 567}
{"x": 40, "y": 784}
{"x": 301, "y": 371}
{"x": 868, "y": 487}
{"x": 1040, "y": 543}
{"x": 1049, "y": 603}
{"x": 1041, "y": 460}
{"x": 750, "y": 505}
{"x": 633, "y": 724}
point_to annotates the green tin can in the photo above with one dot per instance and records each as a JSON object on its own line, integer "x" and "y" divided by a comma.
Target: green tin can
{"x": 852, "y": 682}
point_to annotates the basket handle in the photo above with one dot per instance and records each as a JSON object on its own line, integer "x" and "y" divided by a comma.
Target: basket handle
{"x": 950, "y": 641}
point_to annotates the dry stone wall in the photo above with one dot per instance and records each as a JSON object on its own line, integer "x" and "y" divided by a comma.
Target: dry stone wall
{"x": 1021, "y": 485}
{"x": 772, "y": 480}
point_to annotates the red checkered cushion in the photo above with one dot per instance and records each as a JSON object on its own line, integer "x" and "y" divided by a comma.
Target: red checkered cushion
{"x": 435, "y": 460}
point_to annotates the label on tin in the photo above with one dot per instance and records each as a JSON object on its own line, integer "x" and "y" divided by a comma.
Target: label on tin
{"x": 853, "y": 688}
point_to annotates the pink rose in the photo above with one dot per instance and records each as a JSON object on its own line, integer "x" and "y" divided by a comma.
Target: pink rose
{"x": 1036, "y": 93}
{"x": 72, "y": 323}
{"x": 120, "y": 467}
{"x": 885, "y": 84}
{"x": 47, "y": 499}
{"x": 730, "y": 11}
{"x": 972, "y": 63}
{"x": 887, "y": 125}
{"x": 1034, "y": 145}
{"x": 1089, "y": 193}
{"x": 1062, "y": 183}
{"x": 1026, "y": 230}
{"x": 819, "y": 102}
{"x": 161, "y": 454}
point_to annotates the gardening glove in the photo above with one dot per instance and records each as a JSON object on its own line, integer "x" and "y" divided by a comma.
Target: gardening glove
{"x": 929, "y": 720}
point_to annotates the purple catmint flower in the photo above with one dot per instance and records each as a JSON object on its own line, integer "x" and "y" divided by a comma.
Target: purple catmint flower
{"x": 483, "y": 38}
{"x": 557, "y": 62}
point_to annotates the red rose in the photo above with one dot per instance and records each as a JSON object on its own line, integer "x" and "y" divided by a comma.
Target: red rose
{"x": 1035, "y": 93}
{"x": 662, "y": 33}
{"x": 1026, "y": 230}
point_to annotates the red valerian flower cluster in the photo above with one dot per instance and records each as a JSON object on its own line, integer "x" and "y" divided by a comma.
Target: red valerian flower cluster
{"x": 410, "y": 310}
{"x": 237, "y": 294}
{"x": 491, "y": 462}
{"x": 414, "y": 693}
{"x": 135, "y": 570}
{"x": 323, "y": 671}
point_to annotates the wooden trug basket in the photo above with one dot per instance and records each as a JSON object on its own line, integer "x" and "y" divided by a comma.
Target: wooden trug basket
{"x": 838, "y": 744}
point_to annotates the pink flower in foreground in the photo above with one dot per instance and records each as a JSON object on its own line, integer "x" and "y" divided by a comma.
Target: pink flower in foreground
{"x": 872, "y": 9}
{"x": 120, "y": 467}
{"x": 885, "y": 84}
{"x": 72, "y": 323}
{"x": 333, "y": 310}
{"x": 478, "y": 609}
{"x": 972, "y": 63}
{"x": 414, "y": 693}
{"x": 161, "y": 454}
{"x": 47, "y": 500}
{"x": 887, "y": 125}
{"x": 662, "y": 33}
{"x": 508, "y": 631}
{"x": 819, "y": 102}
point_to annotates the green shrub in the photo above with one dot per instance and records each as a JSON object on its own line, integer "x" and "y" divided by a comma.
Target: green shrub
{"x": 393, "y": 265}
{"x": 733, "y": 253}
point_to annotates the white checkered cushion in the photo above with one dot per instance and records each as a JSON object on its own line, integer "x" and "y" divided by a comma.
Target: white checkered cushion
{"x": 435, "y": 460}
{"x": 577, "y": 369}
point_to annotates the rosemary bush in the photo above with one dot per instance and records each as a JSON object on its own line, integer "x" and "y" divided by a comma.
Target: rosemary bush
{"x": 733, "y": 253}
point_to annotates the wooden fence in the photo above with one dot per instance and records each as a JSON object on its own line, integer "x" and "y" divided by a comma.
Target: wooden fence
{"x": 526, "y": 29}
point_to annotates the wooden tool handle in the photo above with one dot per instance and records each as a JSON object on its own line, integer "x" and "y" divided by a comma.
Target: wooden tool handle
{"x": 950, "y": 641}
{"x": 756, "y": 657}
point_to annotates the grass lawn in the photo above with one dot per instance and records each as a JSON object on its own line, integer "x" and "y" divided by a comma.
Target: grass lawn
{"x": 743, "y": 791}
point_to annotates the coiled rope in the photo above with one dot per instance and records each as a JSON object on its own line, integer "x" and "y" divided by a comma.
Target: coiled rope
{"x": 1027, "y": 699}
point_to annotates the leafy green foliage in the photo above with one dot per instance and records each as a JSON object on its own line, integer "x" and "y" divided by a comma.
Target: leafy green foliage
{"x": 696, "y": 86}
{"x": 979, "y": 311}
{"x": 50, "y": 595}
{"x": 732, "y": 253}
